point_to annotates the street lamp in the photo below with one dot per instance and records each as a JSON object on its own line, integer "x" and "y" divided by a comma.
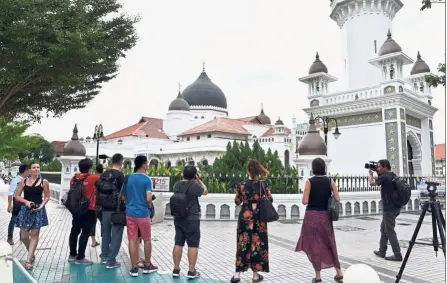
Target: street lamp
{"x": 98, "y": 136}
{"x": 326, "y": 120}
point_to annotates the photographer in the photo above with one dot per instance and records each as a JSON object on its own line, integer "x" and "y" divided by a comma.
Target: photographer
{"x": 390, "y": 210}
{"x": 188, "y": 228}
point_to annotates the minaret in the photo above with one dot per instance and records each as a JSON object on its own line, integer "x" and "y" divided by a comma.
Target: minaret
{"x": 280, "y": 129}
{"x": 364, "y": 24}
{"x": 417, "y": 79}
{"x": 318, "y": 80}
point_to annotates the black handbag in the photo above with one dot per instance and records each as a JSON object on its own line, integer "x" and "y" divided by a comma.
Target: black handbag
{"x": 118, "y": 217}
{"x": 267, "y": 212}
{"x": 333, "y": 208}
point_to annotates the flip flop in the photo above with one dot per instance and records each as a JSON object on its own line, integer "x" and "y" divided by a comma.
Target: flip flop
{"x": 260, "y": 278}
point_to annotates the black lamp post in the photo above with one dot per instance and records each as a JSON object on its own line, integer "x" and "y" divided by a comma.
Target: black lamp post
{"x": 98, "y": 136}
{"x": 326, "y": 120}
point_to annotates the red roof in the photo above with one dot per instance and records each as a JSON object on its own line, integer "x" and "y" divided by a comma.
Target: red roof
{"x": 58, "y": 146}
{"x": 252, "y": 119}
{"x": 270, "y": 132}
{"x": 440, "y": 151}
{"x": 146, "y": 127}
{"x": 221, "y": 125}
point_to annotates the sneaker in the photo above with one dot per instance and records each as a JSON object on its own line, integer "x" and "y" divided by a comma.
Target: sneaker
{"x": 193, "y": 274}
{"x": 394, "y": 258}
{"x": 176, "y": 273}
{"x": 114, "y": 265}
{"x": 104, "y": 261}
{"x": 380, "y": 254}
{"x": 71, "y": 258}
{"x": 134, "y": 272}
{"x": 149, "y": 268}
{"x": 83, "y": 261}
{"x": 10, "y": 241}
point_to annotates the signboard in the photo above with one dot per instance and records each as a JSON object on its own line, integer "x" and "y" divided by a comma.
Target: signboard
{"x": 160, "y": 184}
{"x": 423, "y": 192}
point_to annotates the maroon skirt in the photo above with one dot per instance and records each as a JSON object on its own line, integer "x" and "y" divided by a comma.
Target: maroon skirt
{"x": 317, "y": 240}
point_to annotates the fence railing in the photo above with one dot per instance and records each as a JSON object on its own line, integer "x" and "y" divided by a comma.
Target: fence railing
{"x": 361, "y": 183}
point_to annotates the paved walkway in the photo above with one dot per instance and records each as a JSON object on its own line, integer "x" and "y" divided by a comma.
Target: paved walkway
{"x": 356, "y": 238}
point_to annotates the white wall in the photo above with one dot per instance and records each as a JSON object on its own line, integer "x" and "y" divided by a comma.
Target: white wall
{"x": 356, "y": 146}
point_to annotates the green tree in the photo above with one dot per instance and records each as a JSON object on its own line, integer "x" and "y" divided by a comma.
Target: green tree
{"x": 53, "y": 166}
{"x": 13, "y": 141}
{"x": 56, "y": 54}
{"x": 44, "y": 152}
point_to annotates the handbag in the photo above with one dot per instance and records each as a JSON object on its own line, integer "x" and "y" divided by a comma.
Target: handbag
{"x": 267, "y": 212}
{"x": 333, "y": 208}
{"x": 118, "y": 217}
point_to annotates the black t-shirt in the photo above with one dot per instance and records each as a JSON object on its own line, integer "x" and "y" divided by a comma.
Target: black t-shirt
{"x": 194, "y": 192}
{"x": 320, "y": 192}
{"x": 385, "y": 180}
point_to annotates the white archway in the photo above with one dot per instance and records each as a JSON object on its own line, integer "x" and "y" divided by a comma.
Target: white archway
{"x": 417, "y": 153}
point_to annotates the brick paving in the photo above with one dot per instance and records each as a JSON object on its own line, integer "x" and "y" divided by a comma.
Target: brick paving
{"x": 356, "y": 238}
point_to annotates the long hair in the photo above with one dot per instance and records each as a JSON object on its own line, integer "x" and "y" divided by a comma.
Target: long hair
{"x": 256, "y": 170}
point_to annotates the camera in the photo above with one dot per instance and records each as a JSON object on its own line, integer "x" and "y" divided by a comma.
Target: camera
{"x": 32, "y": 205}
{"x": 432, "y": 185}
{"x": 372, "y": 165}
{"x": 153, "y": 197}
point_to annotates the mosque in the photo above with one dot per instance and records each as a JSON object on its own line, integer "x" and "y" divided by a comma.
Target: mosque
{"x": 382, "y": 113}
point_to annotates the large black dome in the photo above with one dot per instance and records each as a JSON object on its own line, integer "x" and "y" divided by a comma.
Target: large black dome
{"x": 203, "y": 92}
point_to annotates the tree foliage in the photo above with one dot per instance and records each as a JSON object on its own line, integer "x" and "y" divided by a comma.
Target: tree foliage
{"x": 55, "y": 54}
{"x": 13, "y": 141}
{"x": 43, "y": 152}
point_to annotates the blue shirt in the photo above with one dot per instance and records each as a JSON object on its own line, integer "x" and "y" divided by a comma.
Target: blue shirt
{"x": 135, "y": 191}
{"x": 14, "y": 184}
{"x": 386, "y": 182}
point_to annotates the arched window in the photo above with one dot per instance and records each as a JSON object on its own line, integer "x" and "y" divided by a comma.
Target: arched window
{"x": 286, "y": 158}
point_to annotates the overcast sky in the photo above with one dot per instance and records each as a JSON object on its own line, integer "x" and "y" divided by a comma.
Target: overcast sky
{"x": 255, "y": 51}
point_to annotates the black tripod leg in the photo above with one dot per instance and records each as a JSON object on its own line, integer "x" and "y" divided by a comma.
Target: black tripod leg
{"x": 412, "y": 241}
{"x": 442, "y": 216}
{"x": 438, "y": 213}
{"x": 434, "y": 227}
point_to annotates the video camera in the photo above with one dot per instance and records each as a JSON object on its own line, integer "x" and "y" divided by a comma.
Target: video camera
{"x": 372, "y": 165}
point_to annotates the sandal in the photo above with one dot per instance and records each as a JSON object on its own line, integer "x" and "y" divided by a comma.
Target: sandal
{"x": 28, "y": 266}
{"x": 260, "y": 278}
{"x": 96, "y": 244}
{"x": 315, "y": 280}
{"x": 338, "y": 279}
{"x": 235, "y": 280}
{"x": 33, "y": 258}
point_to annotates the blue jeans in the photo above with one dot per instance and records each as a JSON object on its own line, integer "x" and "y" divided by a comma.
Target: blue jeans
{"x": 111, "y": 239}
{"x": 11, "y": 225}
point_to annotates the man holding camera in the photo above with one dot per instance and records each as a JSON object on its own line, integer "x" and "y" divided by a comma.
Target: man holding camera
{"x": 187, "y": 229}
{"x": 390, "y": 210}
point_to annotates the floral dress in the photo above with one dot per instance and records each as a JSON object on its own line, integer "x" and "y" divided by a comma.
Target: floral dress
{"x": 252, "y": 238}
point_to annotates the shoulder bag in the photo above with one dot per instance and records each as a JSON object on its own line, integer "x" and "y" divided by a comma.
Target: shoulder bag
{"x": 118, "y": 217}
{"x": 267, "y": 212}
{"x": 333, "y": 206}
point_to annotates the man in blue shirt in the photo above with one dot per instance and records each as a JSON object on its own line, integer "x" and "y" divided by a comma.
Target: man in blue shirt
{"x": 137, "y": 193}
{"x": 23, "y": 172}
{"x": 390, "y": 211}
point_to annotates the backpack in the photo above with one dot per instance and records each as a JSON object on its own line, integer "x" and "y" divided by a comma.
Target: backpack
{"x": 107, "y": 192}
{"x": 76, "y": 202}
{"x": 402, "y": 193}
{"x": 179, "y": 204}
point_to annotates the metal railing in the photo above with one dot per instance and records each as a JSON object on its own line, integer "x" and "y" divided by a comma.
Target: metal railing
{"x": 21, "y": 268}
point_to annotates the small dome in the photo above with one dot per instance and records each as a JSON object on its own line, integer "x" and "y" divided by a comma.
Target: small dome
{"x": 317, "y": 66}
{"x": 389, "y": 46}
{"x": 312, "y": 143}
{"x": 203, "y": 92}
{"x": 179, "y": 104}
{"x": 279, "y": 122}
{"x": 264, "y": 119}
{"x": 16, "y": 163}
{"x": 74, "y": 147}
{"x": 419, "y": 66}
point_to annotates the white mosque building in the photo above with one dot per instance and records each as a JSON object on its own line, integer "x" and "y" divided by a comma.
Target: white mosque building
{"x": 382, "y": 113}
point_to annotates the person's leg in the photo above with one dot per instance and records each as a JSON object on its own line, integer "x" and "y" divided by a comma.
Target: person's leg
{"x": 106, "y": 236}
{"x": 24, "y": 237}
{"x": 11, "y": 225}
{"x": 86, "y": 225}
{"x": 93, "y": 233}
{"x": 193, "y": 241}
{"x": 145, "y": 227}
{"x": 34, "y": 241}
{"x": 390, "y": 224}
{"x": 179, "y": 243}
{"x": 383, "y": 245}
{"x": 115, "y": 245}
{"x": 76, "y": 225}
{"x": 132, "y": 236}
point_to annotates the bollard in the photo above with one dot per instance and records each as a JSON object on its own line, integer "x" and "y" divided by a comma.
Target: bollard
{"x": 6, "y": 266}
{"x": 360, "y": 273}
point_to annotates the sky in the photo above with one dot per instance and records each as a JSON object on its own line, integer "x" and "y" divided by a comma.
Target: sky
{"x": 255, "y": 51}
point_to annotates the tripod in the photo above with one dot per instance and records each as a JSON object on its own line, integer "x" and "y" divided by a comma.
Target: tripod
{"x": 438, "y": 221}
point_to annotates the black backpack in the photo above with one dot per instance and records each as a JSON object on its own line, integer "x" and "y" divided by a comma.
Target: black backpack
{"x": 107, "y": 192}
{"x": 76, "y": 202}
{"x": 179, "y": 203}
{"x": 402, "y": 193}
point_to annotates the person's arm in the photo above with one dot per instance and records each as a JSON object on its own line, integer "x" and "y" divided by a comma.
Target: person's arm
{"x": 124, "y": 189}
{"x": 149, "y": 191}
{"x": 334, "y": 189}
{"x": 372, "y": 180}
{"x": 238, "y": 197}
{"x": 18, "y": 195}
{"x": 205, "y": 190}
{"x": 12, "y": 189}
{"x": 46, "y": 193}
{"x": 268, "y": 193}
{"x": 306, "y": 193}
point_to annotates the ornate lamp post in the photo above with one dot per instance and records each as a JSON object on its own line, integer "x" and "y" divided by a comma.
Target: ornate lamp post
{"x": 98, "y": 136}
{"x": 326, "y": 120}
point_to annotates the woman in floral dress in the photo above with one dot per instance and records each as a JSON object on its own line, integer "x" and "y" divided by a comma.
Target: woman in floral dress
{"x": 252, "y": 238}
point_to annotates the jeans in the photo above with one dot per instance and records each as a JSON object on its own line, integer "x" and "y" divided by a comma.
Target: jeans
{"x": 111, "y": 239}
{"x": 85, "y": 224}
{"x": 388, "y": 233}
{"x": 11, "y": 225}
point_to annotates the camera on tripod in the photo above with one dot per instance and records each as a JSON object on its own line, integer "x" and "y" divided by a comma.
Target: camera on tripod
{"x": 432, "y": 185}
{"x": 372, "y": 165}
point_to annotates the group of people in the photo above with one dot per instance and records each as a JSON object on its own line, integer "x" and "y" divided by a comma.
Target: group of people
{"x": 120, "y": 201}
